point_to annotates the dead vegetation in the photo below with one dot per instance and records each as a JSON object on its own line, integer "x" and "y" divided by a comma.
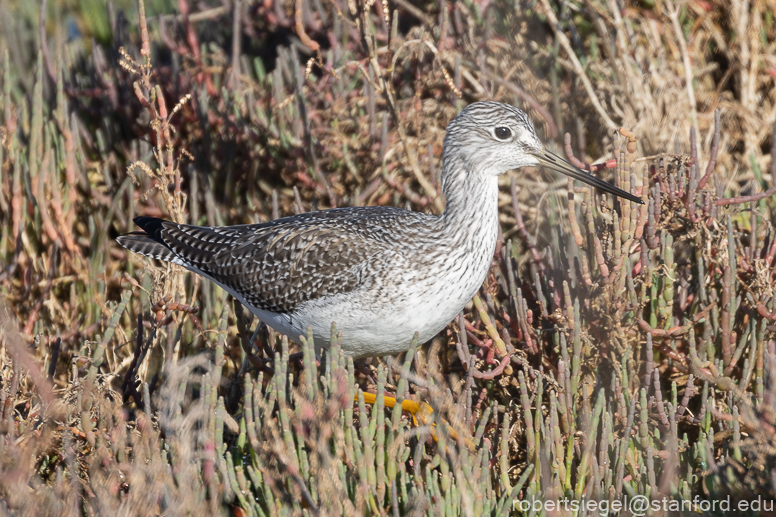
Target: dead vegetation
{"x": 614, "y": 350}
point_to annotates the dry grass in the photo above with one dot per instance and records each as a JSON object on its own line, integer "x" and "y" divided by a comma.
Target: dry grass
{"x": 612, "y": 351}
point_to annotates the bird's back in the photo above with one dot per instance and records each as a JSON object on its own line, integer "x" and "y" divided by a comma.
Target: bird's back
{"x": 277, "y": 266}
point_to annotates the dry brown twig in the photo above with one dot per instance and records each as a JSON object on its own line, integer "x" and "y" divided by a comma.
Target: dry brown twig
{"x": 369, "y": 45}
{"x": 673, "y": 14}
{"x": 580, "y": 71}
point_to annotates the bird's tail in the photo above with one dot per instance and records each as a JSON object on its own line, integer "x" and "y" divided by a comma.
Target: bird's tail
{"x": 148, "y": 242}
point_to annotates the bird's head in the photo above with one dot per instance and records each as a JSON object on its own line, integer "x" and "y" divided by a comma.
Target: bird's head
{"x": 490, "y": 138}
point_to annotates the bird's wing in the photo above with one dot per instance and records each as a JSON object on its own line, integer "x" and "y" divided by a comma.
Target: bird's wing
{"x": 278, "y": 265}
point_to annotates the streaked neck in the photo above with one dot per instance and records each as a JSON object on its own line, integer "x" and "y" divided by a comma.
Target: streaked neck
{"x": 471, "y": 210}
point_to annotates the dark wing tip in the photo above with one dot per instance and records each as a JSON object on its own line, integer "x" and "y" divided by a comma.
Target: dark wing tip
{"x": 149, "y": 241}
{"x": 150, "y": 225}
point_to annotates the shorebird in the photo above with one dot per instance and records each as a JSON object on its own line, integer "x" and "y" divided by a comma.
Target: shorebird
{"x": 379, "y": 273}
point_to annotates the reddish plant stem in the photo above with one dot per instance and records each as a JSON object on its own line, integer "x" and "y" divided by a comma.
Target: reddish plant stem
{"x": 609, "y": 164}
{"x": 193, "y": 41}
{"x": 496, "y": 371}
{"x": 727, "y": 280}
{"x": 763, "y": 311}
{"x": 771, "y": 253}
{"x": 672, "y": 332}
{"x": 145, "y": 49}
{"x": 746, "y": 199}
{"x": 299, "y": 25}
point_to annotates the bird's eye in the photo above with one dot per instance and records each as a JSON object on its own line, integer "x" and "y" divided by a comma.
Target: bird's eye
{"x": 503, "y": 133}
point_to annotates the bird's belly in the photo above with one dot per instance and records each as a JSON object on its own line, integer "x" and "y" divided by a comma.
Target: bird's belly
{"x": 368, "y": 330}
{"x": 375, "y": 325}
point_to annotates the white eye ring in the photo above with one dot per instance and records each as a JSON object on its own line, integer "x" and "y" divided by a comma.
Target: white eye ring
{"x": 502, "y": 133}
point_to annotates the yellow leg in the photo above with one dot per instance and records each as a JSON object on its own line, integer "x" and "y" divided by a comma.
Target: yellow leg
{"x": 419, "y": 411}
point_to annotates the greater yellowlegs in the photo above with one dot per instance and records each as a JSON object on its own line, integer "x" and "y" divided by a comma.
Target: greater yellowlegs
{"x": 380, "y": 273}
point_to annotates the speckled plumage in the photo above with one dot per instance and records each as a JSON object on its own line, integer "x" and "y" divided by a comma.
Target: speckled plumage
{"x": 278, "y": 266}
{"x": 381, "y": 274}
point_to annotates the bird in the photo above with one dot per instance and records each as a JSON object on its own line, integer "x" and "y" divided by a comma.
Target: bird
{"x": 380, "y": 274}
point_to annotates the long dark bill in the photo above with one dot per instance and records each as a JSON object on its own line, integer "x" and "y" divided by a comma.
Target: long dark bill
{"x": 556, "y": 163}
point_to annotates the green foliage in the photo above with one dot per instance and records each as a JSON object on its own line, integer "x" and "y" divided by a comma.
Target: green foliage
{"x": 613, "y": 351}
